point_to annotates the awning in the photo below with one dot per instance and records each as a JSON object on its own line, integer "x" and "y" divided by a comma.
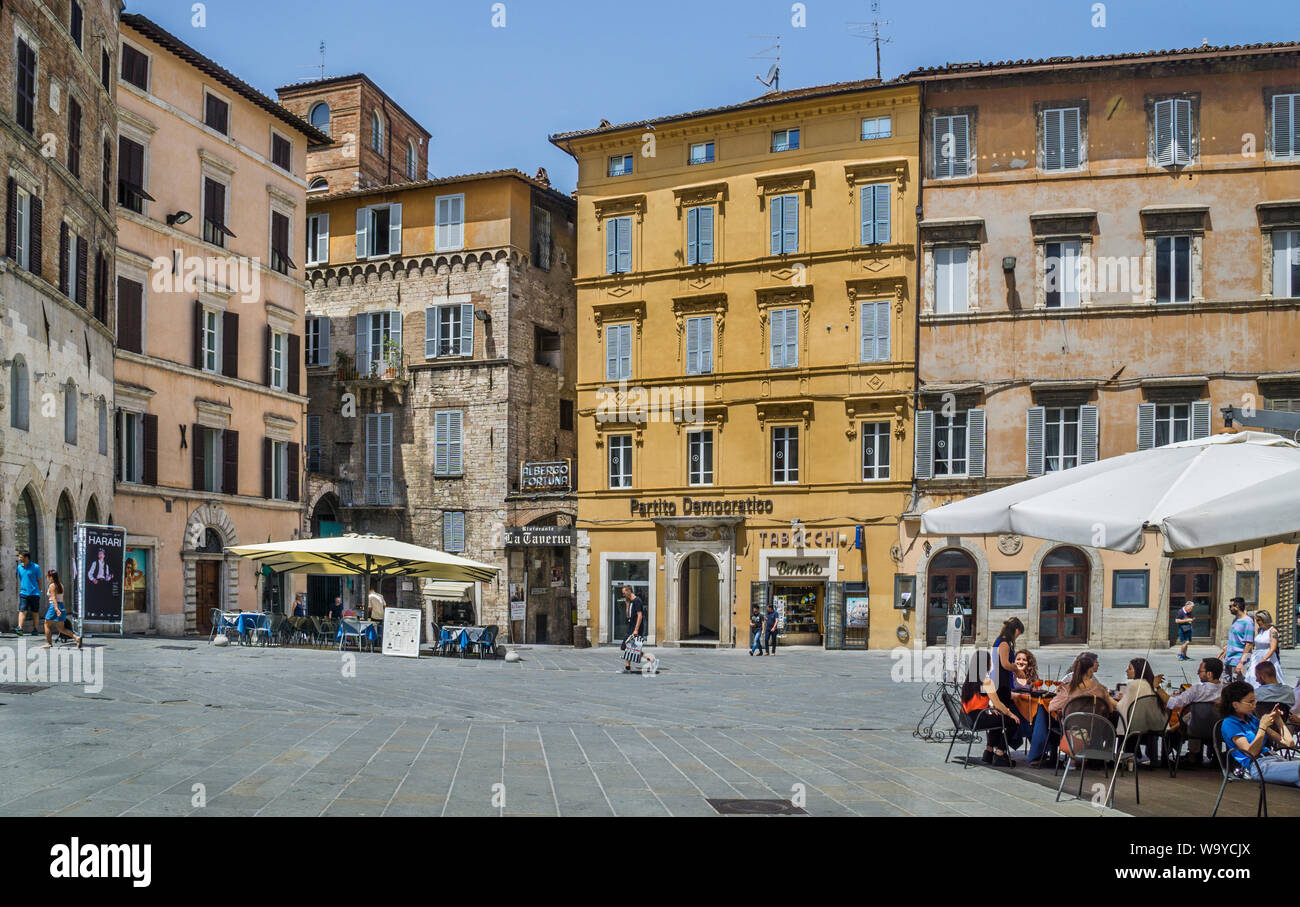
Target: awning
{"x": 446, "y": 591}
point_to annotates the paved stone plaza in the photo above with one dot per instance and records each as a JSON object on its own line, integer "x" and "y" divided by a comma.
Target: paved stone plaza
{"x": 284, "y": 732}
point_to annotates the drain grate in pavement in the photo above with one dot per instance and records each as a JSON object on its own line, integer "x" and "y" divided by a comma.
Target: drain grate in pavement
{"x": 21, "y": 688}
{"x": 179, "y": 648}
{"x": 752, "y": 807}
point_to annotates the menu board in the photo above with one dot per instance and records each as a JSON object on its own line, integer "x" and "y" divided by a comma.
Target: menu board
{"x": 402, "y": 632}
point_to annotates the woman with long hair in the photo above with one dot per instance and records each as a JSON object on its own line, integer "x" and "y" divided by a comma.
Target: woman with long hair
{"x": 1143, "y": 704}
{"x": 1035, "y": 723}
{"x": 1250, "y": 736}
{"x": 1083, "y": 685}
{"x": 56, "y": 614}
{"x": 1001, "y": 738}
{"x": 1266, "y": 647}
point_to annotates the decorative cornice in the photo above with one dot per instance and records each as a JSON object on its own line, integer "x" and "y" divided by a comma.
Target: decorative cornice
{"x": 618, "y": 311}
{"x": 278, "y": 428}
{"x": 1279, "y": 214}
{"x": 1079, "y": 222}
{"x": 216, "y": 162}
{"x": 1174, "y": 218}
{"x": 893, "y": 168}
{"x": 894, "y": 287}
{"x": 622, "y": 204}
{"x": 133, "y": 397}
{"x": 281, "y": 196}
{"x": 784, "y": 182}
{"x": 951, "y": 230}
{"x": 135, "y": 121}
{"x": 700, "y": 194}
{"x": 281, "y": 319}
{"x": 212, "y": 414}
{"x": 788, "y": 410}
{"x": 866, "y": 407}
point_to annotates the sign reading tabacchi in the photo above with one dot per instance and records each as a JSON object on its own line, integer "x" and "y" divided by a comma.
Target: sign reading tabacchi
{"x": 550, "y": 475}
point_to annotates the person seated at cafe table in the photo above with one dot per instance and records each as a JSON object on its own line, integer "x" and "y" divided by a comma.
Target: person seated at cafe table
{"x": 1210, "y": 674}
{"x": 335, "y": 609}
{"x": 1269, "y": 690}
{"x": 979, "y": 699}
{"x": 1247, "y": 735}
{"x": 1035, "y": 723}
{"x": 1142, "y": 703}
{"x": 1082, "y": 685}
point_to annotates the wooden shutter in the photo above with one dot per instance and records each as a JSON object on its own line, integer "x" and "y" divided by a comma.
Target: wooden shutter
{"x": 441, "y": 441}
{"x": 706, "y": 345}
{"x": 961, "y": 146}
{"x": 293, "y": 455}
{"x": 693, "y": 346}
{"x": 1052, "y": 145}
{"x": 431, "y": 332}
{"x": 363, "y": 344}
{"x": 294, "y": 363}
{"x": 884, "y": 317}
{"x": 37, "y": 235}
{"x": 790, "y": 225}
{"x": 706, "y": 235}
{"x": 467, "y": 329}
{"x": 455, "y": 446}
{"x": 198, "y": 334}
{"x": 776, "y": 206}
{"x": 395, "y": 229}
{"x": 230, "y": 461}
{"x": 1286, "y": 125}
{"x": 322, "y": 238}
{"x": 118, "y": 417}
{"x": 942, "y": 164}
{"x": 63, "y": 258}
{"x": 624, "y": 245}
{"x": 868, "y": 330}
{"x": 1200, "y": 419}
{"x": 791, "y": 337}
{"x": 1035, "y": 418}
{"x": 149, "y": 429}
{"x": 363, "y": 222}
{"x": 268, "y": 476}
{"x": 1182, "y": 131}
{"x": 611, "y": 245}
{"x": 881, "y": 213}
{"x": 11, "y": 219}
{"x": 975, "y": 443}
{"x": 268, "y": 353}
{"x": 323, "y": 324}
{"x": 693, "y": 236}
{"x": 82, "y": 255}
{"x": 777, "y": 356}
{"x": 129, "y": 320}
{"x": 395, "y": 334}
{"x": 1146, "y": 426}
{"x": 196, "y": 456}
{"x": 230, "y": 344}
{"x": 924, "y": 459}
{"x": 1088, "y": 434}
{"x": 1164, "y": 128}
{"x": 1071, "y": 152}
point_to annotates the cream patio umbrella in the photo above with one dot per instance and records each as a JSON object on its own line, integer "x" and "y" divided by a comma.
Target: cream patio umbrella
{"x": 372, "y": 556}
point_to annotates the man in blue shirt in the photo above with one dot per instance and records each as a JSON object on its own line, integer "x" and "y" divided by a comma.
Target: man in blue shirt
{"x": 1241, "y": 637}
{"x": 769, "y": 628}
{"x": 29, "y": 590}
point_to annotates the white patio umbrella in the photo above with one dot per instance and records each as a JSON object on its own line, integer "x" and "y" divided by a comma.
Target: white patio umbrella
{"x": 1216, "y": 495}
{"x": 368, "y": 555}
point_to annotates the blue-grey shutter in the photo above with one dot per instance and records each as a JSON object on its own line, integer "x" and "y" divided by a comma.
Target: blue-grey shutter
{"x": 706, "y": 235}
{"x": 790, "y": 224}
{"x": 883, "y": 312}
{"x": 924, "y": 466}
{"x": 942, "y": 164}
{"x": 467, "y": 329}
{"x": 611, "y": 245}
{"x": 791, "y": 337}
{"x": 323, "y": 340}
{"x": 1035, "y": 418}
{"x": 1286, "y": 125}
{"x": 706, "y": 345}
{"x": 363, "y": 344}
{"x": 975, "y": 443}
{"x": 868, "y": 352}
{"x": 455, "y": 446}
{"x": 961, "y": 146}
{"x": 1088, "y": 434}
{"x": 611, "y": 353}
{"x": 440, "y": 439}
{"x": 693, "y": 236}
{"x": 625, "y": 244}
{"x": 363, "y": 223}
{"x": 881, "y": 209}
{"x": 1200, "y": 419}
{"x": 1164, "y": 127}
{"x": 323, "y": 237}
{"x": 777, "y": 358}
{"x": 625, "y": 351}
{"x": 1183, "y": 131}
{"x": 692, "y": 346}
{"x": 395, "y": 229}
{"x": 1052, "y": 145}
{"x": 775, "y": 207}
{"x": 431, "y": 332}
{"x": 395, "y": 335}
{"x": 1070, "y": 138}
{"x": 1146, "y": 426}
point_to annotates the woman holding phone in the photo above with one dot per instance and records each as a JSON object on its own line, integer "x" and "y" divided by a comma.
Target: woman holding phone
{"x": 1248, "y": 735}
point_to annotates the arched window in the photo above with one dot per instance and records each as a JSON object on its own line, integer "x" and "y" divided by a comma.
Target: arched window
{"x": 951, "y": 580}
{"x": 19, "y": 402}
{"x": 376, "y": 132}
{"x": 1063, "y": 598}
{"x": 92, "y": 511}
{"x": 320, "y": 117}
{"x": 410, "y": 160}
{"x": 64, "y": 520}
{"x": 27, "y": 530}
{"x": 318, "y": 185}
{"x": 70, "y": 412}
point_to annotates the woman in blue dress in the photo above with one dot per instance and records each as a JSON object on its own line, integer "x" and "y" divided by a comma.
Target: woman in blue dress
{"x": 56, "y": 613}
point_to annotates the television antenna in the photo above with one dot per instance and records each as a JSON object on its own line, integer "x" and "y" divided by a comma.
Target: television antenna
{"x": 871, "y": 31}
{"x": 319, "y": 67}
{"x": 773, "y": 78}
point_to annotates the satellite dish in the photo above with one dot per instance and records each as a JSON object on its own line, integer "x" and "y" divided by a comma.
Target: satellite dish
{"x": 771, "y": 76}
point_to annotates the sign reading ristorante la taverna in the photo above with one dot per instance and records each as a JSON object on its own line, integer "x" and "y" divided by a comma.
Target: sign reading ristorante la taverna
{"x": 539, "y": 536}
{"x": 695, "y": 507}
{"x": 549, "y": 475}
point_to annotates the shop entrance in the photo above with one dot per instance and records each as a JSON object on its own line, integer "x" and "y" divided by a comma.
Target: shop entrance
{"x": 1063, "y": 598}
{"x": 701, "y": 614}
{"x": 951, "y": 581}
{"x": 1193, "y": 579}
{"x": 800, "y": 609}
{"x": 207, "y": 592}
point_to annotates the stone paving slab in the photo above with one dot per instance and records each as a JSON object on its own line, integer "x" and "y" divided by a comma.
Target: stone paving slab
{"x": 563, "y": 732}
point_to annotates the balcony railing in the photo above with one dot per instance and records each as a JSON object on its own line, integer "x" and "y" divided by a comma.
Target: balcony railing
{"x": 374, "y": 491}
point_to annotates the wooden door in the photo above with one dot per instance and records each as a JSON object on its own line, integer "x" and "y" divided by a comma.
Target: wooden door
{"x": 1063, "y": 598}
{"x": 207, "y": 592}
{"x": 1193, "y": 579}
{"x": 951, "y": 590}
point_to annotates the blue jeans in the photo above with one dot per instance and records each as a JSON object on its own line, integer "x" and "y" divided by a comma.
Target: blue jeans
{"x": 770, "y": 637}
{"x": 756, "y": 640}
{"x": 1037, "y": 733}
{"x": 1277, "y": 770}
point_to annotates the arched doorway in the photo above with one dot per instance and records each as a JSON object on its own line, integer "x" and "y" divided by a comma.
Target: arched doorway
{"x": 1194, "y": 580}
{"x": 27, "y": 528}
{"x": 92, "y": 512}
{"x": 950, "y": 578}
{"x": 701, "y": 613}
{"x": 64, "y": 520}
{"x": 1063, "y": 597}
{"x": 207, "y": 579}
{"x": 322, "y": 590}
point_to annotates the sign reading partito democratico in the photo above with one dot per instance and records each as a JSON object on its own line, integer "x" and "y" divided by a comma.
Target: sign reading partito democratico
{"x": 549, "y": 475}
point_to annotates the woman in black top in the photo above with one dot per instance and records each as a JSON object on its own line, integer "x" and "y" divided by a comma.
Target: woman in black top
{"x": 1002, "y": 674}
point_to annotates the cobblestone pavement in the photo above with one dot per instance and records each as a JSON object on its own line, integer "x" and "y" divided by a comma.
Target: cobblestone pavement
{"x": 285, "y": 732}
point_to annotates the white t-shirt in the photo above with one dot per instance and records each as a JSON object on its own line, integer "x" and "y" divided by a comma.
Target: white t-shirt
{"x": 376, "y": 605}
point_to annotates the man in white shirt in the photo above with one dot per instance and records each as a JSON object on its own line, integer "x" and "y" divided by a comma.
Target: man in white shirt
{"x": 376, "y": 602}
{"x": 1209, "y": 671}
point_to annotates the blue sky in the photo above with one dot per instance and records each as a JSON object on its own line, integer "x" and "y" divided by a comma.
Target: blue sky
{"x": 491, "y": 95}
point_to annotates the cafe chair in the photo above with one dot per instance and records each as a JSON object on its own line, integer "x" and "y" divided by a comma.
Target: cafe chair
{"x": 1085, "y": 736}
{"x": 1149, "y": 717}
{"x": 487, "y": 644}
{"x": 1233, "y": 771}
{"x": 1197, "y": 723}
{"x": 1089, "y": 705}
{"x": 262, "y": 629}
{"x": 215, "y": 617}
{"x": 967, "y": 726}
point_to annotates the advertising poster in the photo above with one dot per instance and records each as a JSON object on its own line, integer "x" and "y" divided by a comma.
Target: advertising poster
{"x": 135, "y": 578}
{"x": 855, "y": 609}
{"x": 402, "y": 632}
{"x": 100, "y": 554}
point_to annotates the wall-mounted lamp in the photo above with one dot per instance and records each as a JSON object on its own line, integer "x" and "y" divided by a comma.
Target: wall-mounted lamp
{"x": 180, "y": 217}
{"x": 1009, "y": 263}
{"x": 483, "y": 315}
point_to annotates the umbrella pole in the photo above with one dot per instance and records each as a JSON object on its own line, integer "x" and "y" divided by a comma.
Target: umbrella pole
{"x": 1164, "y": 595}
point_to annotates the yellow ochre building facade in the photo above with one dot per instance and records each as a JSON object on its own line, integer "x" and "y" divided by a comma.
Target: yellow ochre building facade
{"x": 746, "y": 350}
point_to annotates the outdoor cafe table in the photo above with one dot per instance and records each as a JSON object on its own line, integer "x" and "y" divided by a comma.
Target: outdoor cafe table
{"x": 463, "y": 637}
{"x": 357, "y": 628}
{"x": 244, "y": 622}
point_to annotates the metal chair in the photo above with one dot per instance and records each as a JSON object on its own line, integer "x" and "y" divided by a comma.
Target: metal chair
{"x": 1091, "y": 736}
{"x": 1087, "y": 705}
{"x": 1197, "y": 723}
{"x": 215, "y": 616}
{"x": 487, "y": 644}
{"x": 1234, "y": 771}
{"x": 261, "y": 629}
{"x": 1149, "y": 717}
{"x": 966, "y": 726}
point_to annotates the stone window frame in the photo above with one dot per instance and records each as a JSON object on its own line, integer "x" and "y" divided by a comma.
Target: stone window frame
{"x": 971, "y": 112}
{"x": 1274, "y": 215}
{"x": 715, "y": 436}
{"x": 25, "y": 33}
{"x": 706, "y": 195}
{"x": 713, "y": 305}
{"x": 968, "y": 232}
{"x": 1269, "y": 94}
{"x": 148, "y": 70}
{"x": 1040, "y": 132}
{"x": 632, "y": 207}
{"x": 784, "y": 297}
{"x": 283, "y": 204}
{"x": 888, "y": 171}
{"x": 270, "y": 157}
{"x": 1149, "y": 103}
{"x": 798, "y": 183}
{"x": 1064, "y": 226}
{"x": 209, "y": 89}
{"x": 139, "y": 130}
{"x": 1160, "y": 221}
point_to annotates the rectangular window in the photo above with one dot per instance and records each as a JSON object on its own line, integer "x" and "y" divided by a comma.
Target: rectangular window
{"x": 130, "y": 440}
{"x": 22, "y": 223}
{"x": 75, "y": 22}
{"x": 874, "y": 201}
{"x": 620, "y": 461}
{"x": 449, "y": 331}
{"x": 875, "y": 451}
{"x": 453, "y": 531}
{"x": 784, "y": 347}
{"x": 876, "y": 318}
{"x": 950, "y": 452}
{"x": 130, "y": 315}
{"x": 542, "y": 238}
{"x": 620, "y": 164}
{"x": 211, "y": 340}
{"x": 951, "y": 279}
{"x": 74, "y": 137}
{"x": 785, "y": 455}
{"x": 699, "y": 345}
{"x": 877, "y": 128}
{"x": 314, "y": 446}
{"x": 1061, "y": 139}
{"x": 216, "y": 114}
{"x": 618, "y": 352}
{"x": 210, "y": 443}
{"x": 951, "y": 147}
{"x": 277, "y": 354}
{"x": 449, "y": 232}
{"x": 1061, "y": 278}
{"x": 784, "y": 224}
{"x": 280, "y": 470}
{"x": 566, "y": 415}
{"x": 318, "y": 340}
{"x": 447, "y": 443}
{"x": 699, "y": 235}
{"x": 1009, "y": 589}
{"x": 701, "y": 153}
{"x": 280, "y": 260}
{"x": 1286, "y": 126}
{"x": 618, "y": 245}
{"x": 1173, "y": 132}
{"x": 699, "y": 448}
{"x": 379, "y": 342}
{"x": 102, "y": 413}
{"x": 785, "y": 140}
{"x": 281, "y": 152}
{"x": 1060, "y": 438}
{"x": 25, "y": 86}
{"x": 1173, "y": 423}
{"x": 379, "y": 459}
{"x": 548, "y": 348}
{"x": 318, "y": 239}
{"x": 105, "y": 69}
{"x": 1130, "y": 588}
{"x": 135, "y": 67}
{"x": 131, "y": 193}
{"x": 1173, "y": 269}
{"x": 1286, "y": 264}
{"x": 215, "y": 230}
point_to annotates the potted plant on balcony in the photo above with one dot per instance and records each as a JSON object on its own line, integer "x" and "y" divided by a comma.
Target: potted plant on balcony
{"x": 344, "y": 364}
{"x": 392, "y": 359}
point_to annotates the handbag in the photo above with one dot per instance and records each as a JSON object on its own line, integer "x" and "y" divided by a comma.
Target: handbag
{"x": 622, "y": 646}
